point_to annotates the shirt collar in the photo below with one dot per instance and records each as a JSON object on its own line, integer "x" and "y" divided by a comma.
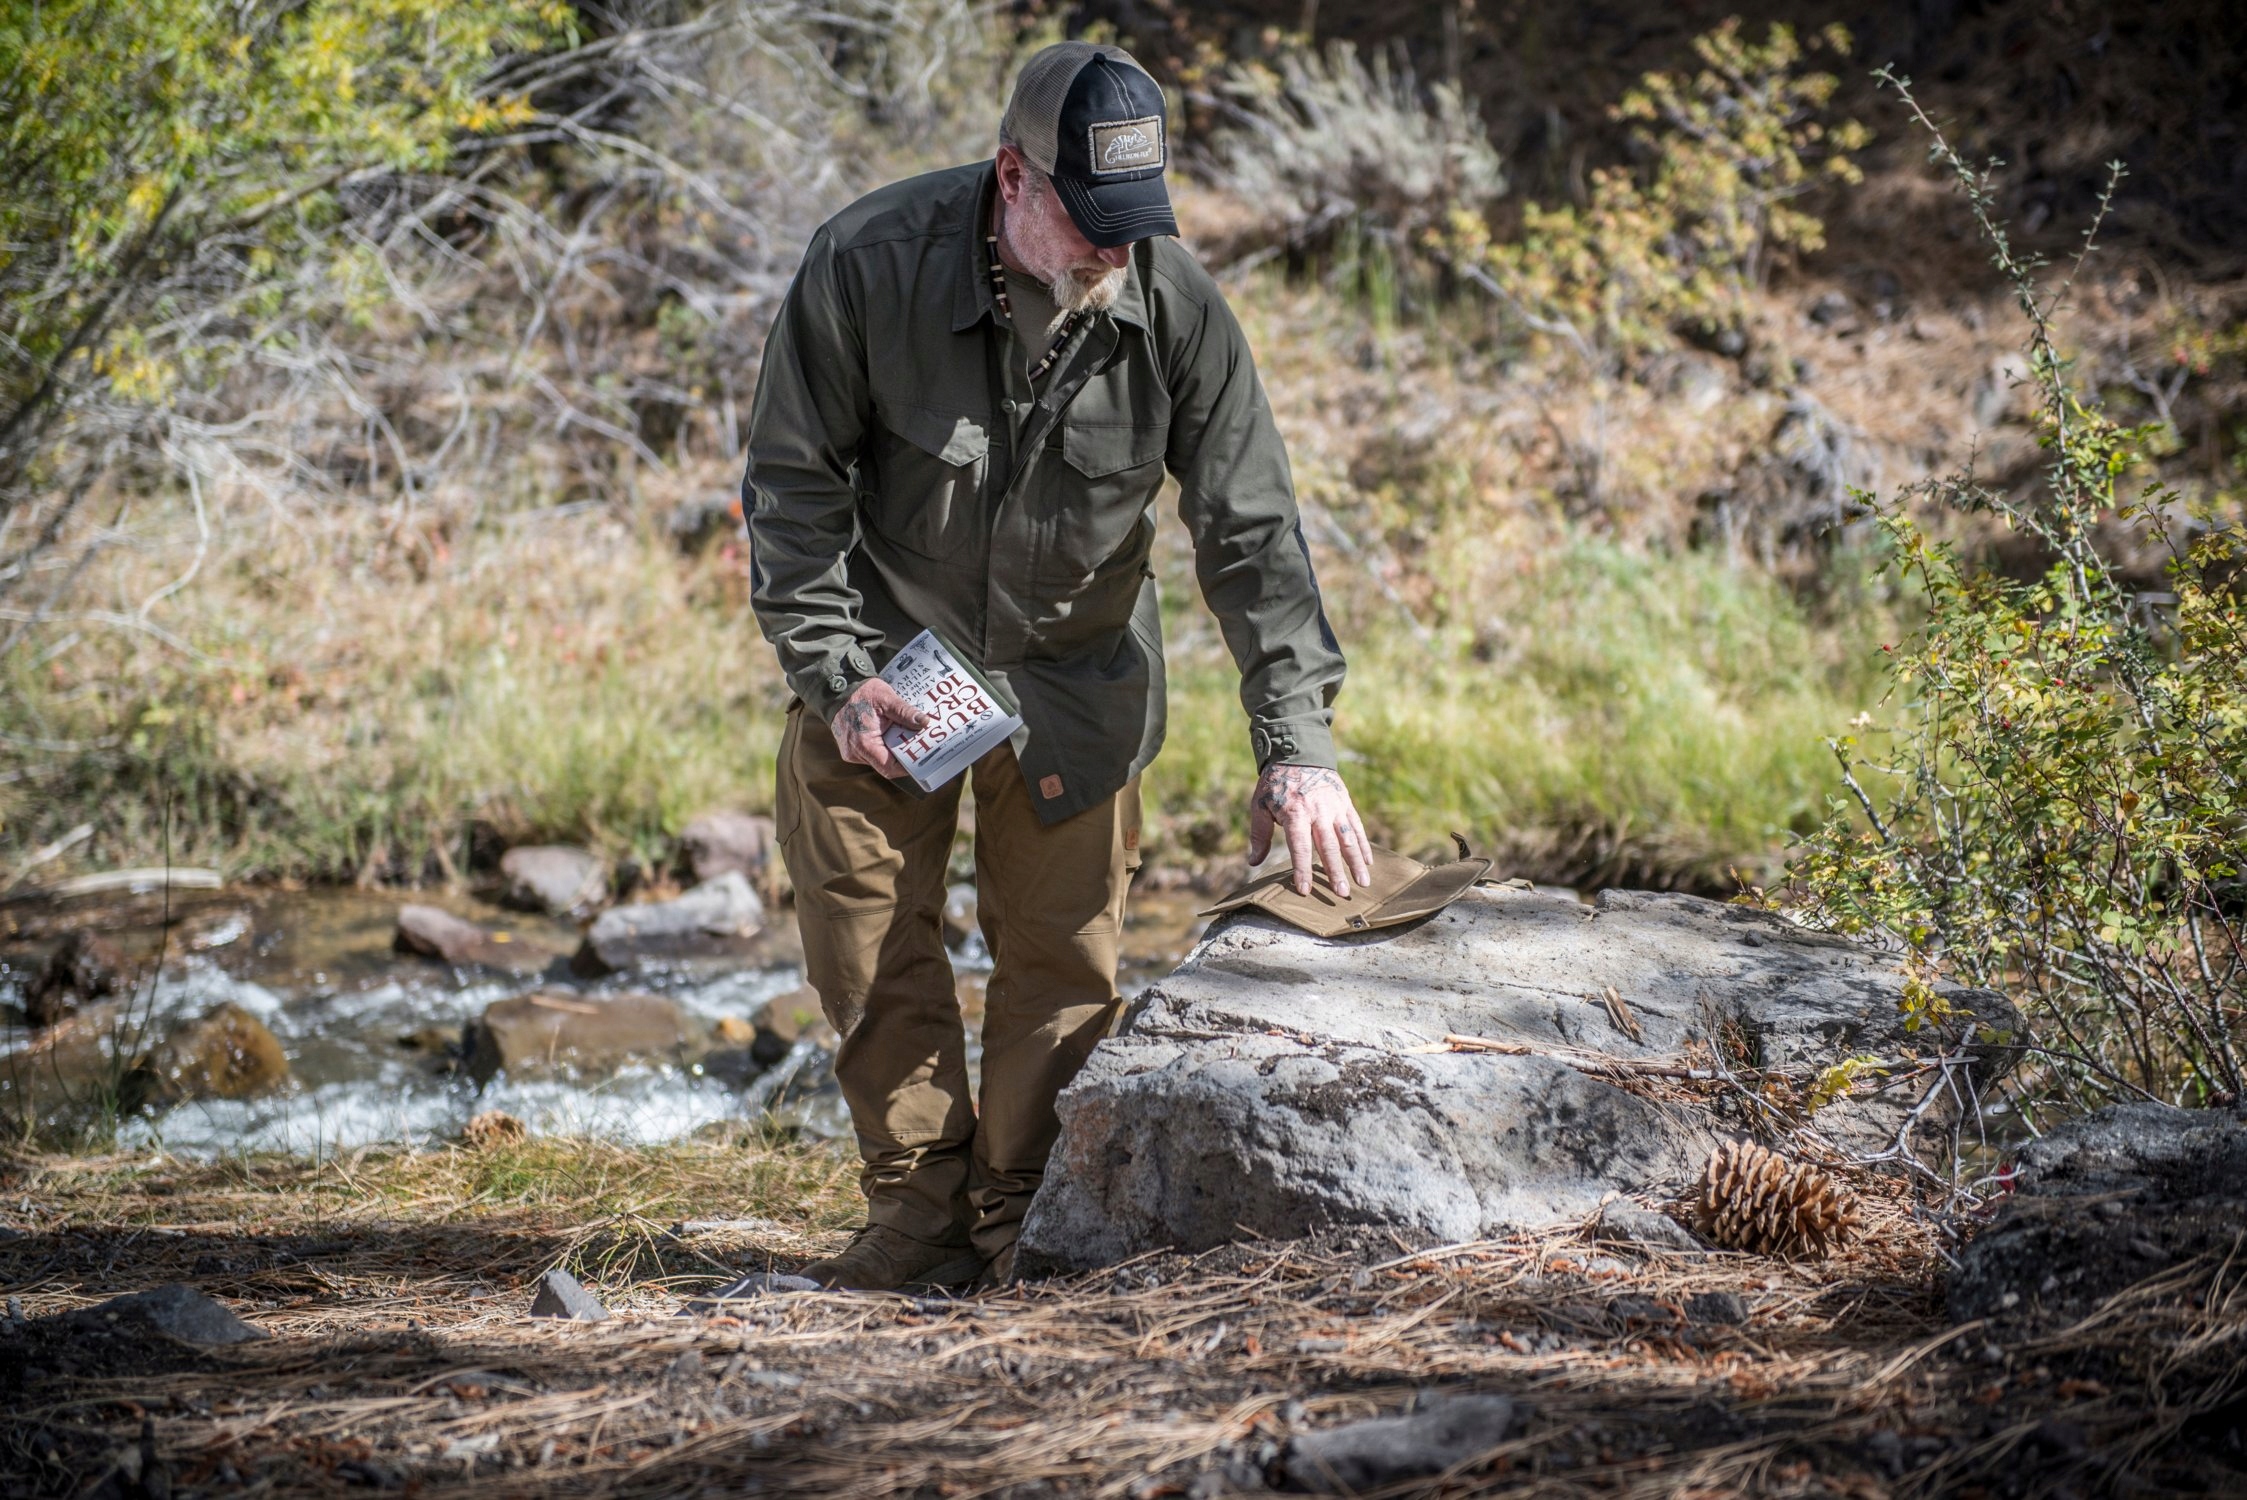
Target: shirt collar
{"x": 971, "y": 289}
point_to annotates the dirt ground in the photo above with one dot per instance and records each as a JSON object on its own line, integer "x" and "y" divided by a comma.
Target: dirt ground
{"x": 395, "y": 1292}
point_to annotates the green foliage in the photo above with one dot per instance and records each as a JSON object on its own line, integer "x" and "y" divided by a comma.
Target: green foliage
{"x": 2058, "y": 808}
{"x": 1686, "y": 239}
{"x": 172, "y": 161}
{"x": 1836, "y": 1082}
{"x": 1604, "y": 715}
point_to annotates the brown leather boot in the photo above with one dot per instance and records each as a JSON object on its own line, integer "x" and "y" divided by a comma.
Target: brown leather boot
{"x": 881, "y": 1259}
{"x": 998, "y": 1272}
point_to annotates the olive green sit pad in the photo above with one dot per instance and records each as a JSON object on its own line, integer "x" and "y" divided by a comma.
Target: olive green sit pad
{"x": 1402, "y": 889}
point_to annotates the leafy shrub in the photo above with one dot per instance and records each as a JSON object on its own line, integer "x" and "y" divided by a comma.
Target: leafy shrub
{"x": 171, "y": 165}
{"x": 2059, "y": 810}
{"x": 1685, "y": 240}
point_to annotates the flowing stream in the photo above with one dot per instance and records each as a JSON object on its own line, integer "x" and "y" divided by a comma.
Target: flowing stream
{"x": 366, "y": 1029}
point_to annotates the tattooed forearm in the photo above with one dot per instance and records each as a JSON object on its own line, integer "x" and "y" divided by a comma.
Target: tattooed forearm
{"x": 1284, "y": 787}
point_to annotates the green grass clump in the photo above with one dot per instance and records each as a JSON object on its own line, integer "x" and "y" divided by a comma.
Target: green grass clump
{"x": 1608, "y": 715}
{"x": 583, "y": 683}
{"x": 1618, "y": 715}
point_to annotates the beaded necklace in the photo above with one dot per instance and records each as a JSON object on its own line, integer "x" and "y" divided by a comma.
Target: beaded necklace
{"x": 1006, "y": 310}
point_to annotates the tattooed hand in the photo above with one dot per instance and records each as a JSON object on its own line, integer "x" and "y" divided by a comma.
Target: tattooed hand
{"x": 1312, "y": 809}
{"x": 871, "y": 707}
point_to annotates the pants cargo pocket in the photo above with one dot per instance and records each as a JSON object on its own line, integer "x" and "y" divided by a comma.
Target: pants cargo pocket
{"x": 787, "y": 800}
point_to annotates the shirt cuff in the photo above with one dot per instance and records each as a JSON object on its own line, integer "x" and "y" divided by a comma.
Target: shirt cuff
{"x": 1294, "y": 742}
{"x": 826, "y": 683}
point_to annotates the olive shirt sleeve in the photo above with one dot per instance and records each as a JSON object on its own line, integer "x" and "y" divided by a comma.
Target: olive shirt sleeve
{"x": 810, "y": 413}
{"x": 1238, "y": 502}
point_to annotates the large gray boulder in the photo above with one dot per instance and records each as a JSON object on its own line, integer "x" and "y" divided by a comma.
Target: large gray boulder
{"x": 1278, "y": 1083}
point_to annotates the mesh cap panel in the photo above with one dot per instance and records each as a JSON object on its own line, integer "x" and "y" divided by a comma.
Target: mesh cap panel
{"x": 1033, "y": 115}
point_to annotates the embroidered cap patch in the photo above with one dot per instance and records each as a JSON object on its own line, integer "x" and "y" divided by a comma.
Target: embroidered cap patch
{"x": 1120, "y": 146}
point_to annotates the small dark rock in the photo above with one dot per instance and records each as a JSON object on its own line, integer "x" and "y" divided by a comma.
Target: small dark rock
{"x": 177, "y": 1311}
{"x": 1624, "y": 1224}
{"x": 1833, "y": 310}
{"x": 561, "y": 1295}
{"x": 369, "y": 1475}
{"x": 86, "y": 967}
{"x": 1366, "y": 1455}
{"x": 1716, "y": 1307}
{"x": 768, "y": 1047}
{"x": 1631, "y": 1309}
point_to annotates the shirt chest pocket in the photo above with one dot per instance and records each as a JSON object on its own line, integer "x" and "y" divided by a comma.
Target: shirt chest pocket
{"x": 1100, "y": 491}
{"x": 929, "y": 466}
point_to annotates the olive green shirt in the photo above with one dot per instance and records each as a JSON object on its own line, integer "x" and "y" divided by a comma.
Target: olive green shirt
{"x": 904, "y": 474}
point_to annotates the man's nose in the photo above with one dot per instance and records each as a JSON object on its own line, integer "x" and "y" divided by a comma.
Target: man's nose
{"x": 1114, "y": 256}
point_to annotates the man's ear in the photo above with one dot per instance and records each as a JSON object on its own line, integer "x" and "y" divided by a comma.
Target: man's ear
{"x": 1011, "y": 179}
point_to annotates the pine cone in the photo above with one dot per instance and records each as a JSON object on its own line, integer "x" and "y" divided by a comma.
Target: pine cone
{"x": 1753, "y": 1199}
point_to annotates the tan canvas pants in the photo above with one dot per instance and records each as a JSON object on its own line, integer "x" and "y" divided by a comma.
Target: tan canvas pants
{"x": 868, "y": 861}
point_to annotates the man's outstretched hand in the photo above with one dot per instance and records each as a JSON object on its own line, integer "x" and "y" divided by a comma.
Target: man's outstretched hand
{"x": 1311, "y": 808}
{"x": 869, "y": 710}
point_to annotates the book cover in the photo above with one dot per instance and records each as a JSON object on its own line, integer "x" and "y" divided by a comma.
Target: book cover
{"x": 965, "y": 718}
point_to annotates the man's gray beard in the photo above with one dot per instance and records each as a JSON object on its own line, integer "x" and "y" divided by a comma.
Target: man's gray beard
{"x": 1072, "y": 295}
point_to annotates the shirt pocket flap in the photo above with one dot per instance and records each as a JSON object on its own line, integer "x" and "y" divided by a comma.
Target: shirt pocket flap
{"x": 943, "y": 435}
{"x": 1097, "y": 450}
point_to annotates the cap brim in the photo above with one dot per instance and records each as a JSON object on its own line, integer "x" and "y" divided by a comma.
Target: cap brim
{"x": 1118, "y": 212}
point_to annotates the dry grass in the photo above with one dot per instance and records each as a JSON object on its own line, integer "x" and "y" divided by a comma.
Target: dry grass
{"x": 396, "y": 1287}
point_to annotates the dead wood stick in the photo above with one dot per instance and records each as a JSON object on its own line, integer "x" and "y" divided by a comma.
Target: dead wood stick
{"x": 1598, "y": 1062}
{"x": 1620, "y": 1014}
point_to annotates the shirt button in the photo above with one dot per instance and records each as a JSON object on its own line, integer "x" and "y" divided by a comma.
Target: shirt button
{"x": 1010, "y": 406}
{"x": 838, "y": 683}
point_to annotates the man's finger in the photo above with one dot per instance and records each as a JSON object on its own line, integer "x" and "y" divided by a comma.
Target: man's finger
{"x": 1329, "y": 839}
{"x": 1360, "y": 849}
{"x": 1300, "y": 852}
{"x": 875, "y": 754}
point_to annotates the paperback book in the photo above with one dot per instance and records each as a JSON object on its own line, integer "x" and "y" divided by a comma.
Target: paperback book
{"x": 964, "y": 716}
